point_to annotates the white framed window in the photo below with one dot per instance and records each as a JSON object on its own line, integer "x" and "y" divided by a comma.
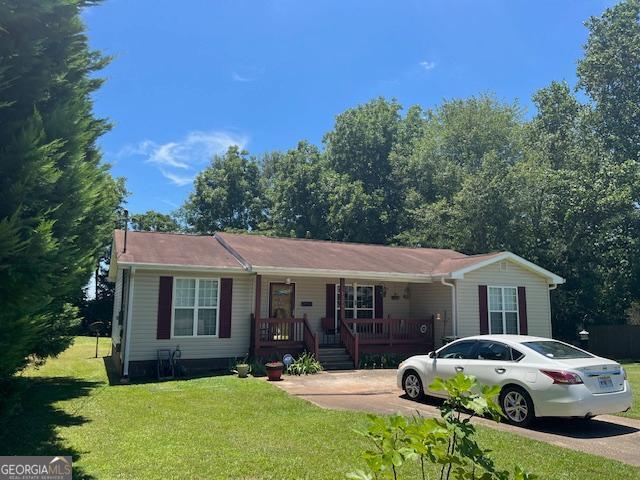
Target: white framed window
{"x": 503, "y": 310}
{"x": 195, "y": 309}
{"x": 359, "y": 301}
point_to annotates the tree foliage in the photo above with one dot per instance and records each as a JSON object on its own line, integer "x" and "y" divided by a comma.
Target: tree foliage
{"x": 227, "y": 194}
{"x": 610, "y": 74}
{"x": 57, "y": 198}
{"x": 152, "y": 221}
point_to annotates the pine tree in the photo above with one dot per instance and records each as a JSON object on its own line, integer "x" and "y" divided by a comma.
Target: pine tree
{"x": 57, "y": 198}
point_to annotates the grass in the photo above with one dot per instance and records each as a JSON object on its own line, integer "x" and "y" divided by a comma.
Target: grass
{"x": 218, "y": 427}
{"x": 633, "y": 374}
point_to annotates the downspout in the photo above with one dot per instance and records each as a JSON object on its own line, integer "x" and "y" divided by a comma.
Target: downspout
{"x": 454, "y": 305}
{"x": 553, "y": 286}
{"x": 127, "y": 346}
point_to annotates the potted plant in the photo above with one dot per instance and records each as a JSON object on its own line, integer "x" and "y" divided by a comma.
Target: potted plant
{"x": 274, "y": 370}
{"x": 242, "y": 369}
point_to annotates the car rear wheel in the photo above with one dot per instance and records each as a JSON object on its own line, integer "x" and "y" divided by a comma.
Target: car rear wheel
{"x": 517, "y": 406}
{"x": 412, "y": 385}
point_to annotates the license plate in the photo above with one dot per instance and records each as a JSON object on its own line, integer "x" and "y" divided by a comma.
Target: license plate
{"x": 605, "y": 382}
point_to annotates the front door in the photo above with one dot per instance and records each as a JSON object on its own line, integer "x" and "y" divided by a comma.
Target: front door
{"x": 281, "y": 300}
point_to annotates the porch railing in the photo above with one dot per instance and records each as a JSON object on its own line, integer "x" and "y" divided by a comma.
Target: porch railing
{"x": 286, "y": 333}
{"x": 390, "y": 331}
{"x": 350, "y": 340}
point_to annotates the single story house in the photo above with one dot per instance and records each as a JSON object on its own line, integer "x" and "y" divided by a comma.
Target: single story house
{"x": 220, "y": 297}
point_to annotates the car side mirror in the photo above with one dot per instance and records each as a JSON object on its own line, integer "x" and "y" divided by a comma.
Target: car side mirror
{"x": 433, "y": 355}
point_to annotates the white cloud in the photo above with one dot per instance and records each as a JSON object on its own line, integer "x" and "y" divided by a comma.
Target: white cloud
{"x": 239, "y": 78}
{"x": 427, "y": 65}
{"x": 180, "y": 160}
{"x": 247, "y": 74}
{"x": 179, "y": 180}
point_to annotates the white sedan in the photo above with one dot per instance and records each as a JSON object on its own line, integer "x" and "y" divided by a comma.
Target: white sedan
{"x": 539, "y": 377}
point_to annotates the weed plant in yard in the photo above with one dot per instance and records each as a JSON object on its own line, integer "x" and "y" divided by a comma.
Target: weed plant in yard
{"x": 219, "y": 427}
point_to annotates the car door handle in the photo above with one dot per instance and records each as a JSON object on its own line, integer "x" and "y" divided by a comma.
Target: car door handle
{"x": 459, "y": 369}
{"x": 501, "y": 370}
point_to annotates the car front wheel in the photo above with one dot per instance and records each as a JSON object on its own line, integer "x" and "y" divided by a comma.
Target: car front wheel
{"x": 517, "y": 406}
{"x": 412, "y": 385}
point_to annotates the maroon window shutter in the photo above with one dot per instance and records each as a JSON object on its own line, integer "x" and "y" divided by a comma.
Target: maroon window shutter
{"x": 484, "y": 309}
{"x": 331, "y": 301}
{"x": 522, "y": 310}
{"x": 378, "y": 294}
{"x": 226, "y": 297}
{"x": 165, "y": 300}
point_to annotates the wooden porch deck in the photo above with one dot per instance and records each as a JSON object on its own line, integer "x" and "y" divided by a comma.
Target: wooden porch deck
{"x": 357, "y": 336}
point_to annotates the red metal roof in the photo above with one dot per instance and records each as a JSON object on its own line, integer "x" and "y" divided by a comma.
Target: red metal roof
{"x": 173, "y": 249}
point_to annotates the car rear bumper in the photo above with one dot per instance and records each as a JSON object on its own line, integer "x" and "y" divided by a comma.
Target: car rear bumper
{"x": 578, "y": 401}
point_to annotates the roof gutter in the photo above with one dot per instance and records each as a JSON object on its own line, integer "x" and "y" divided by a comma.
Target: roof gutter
{"x": 172, "y": 266}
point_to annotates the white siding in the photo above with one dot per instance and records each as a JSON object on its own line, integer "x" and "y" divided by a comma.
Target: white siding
{"x": 144, "y": 343}
{"x": 537, "y": 290}
{"x": 117, "y": 301}
{"x": 433, "y": 299}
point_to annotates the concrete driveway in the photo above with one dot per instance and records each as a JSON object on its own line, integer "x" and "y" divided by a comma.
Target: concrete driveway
{"x": 376, "y": 391}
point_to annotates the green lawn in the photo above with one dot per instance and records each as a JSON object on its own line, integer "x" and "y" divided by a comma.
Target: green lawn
{"x": 633, "y": 374}
{"x": 220, "y": 427}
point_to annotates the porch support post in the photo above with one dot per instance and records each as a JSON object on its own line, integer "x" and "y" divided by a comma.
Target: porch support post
{"x": 256, "y": 316}
{"x": 341, "y": 298}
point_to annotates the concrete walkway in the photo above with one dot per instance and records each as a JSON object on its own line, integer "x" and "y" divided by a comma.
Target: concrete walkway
{"x": 375, "y": 391}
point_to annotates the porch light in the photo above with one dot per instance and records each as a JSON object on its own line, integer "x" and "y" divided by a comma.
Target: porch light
{"x": 288, "y": 281}
{"x": 583, "y": 334}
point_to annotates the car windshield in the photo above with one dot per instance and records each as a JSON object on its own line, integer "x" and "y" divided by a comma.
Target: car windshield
{"x": 558, "y": 350}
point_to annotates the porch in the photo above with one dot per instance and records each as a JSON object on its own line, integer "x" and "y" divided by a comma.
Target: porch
{"x": 339, "y": 320}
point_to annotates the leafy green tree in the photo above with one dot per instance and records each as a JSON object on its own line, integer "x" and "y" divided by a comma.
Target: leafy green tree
{"x": 152, "y": 221}
{"x": 610, "y": 74}
{"x": 456, "y": 137}
{"x": 57, "y": 198}
{"x": 361, "y": 141}
{"x": 296, "y": 193}
{"x": 358, "y": 149}
{"x": 558, "y": 128}
{"x": 227, "y": 194}
{"x": 354, "y": 214}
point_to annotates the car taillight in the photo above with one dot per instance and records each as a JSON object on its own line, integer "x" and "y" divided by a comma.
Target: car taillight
{"x": 562, "y": 377}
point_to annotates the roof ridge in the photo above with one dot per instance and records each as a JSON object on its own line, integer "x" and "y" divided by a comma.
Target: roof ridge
{"x": 339, "y": 242}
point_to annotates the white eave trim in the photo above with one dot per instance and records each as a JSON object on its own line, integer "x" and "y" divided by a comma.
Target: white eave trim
{"x": 551, "y": 277}
{"x": 351, "y": 274}
{"x": 179, "y": 267}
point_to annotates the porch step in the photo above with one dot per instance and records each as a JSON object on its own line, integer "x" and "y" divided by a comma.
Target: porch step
{"x": 335, "y": 358}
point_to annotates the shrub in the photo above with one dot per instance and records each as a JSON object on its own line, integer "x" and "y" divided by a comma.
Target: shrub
{"x": 447, "y": 441}
{"x": 305, "y": 364}
{"x": 380, "y": 360}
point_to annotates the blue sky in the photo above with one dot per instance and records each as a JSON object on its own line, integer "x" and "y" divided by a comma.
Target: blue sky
{"x": 190, "y": 78}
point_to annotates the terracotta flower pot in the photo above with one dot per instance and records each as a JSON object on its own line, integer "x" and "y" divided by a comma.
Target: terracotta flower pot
{"x": 274, "y": 371}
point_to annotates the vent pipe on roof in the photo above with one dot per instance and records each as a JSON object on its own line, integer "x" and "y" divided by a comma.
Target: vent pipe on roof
{"x": 126, "y": 227}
